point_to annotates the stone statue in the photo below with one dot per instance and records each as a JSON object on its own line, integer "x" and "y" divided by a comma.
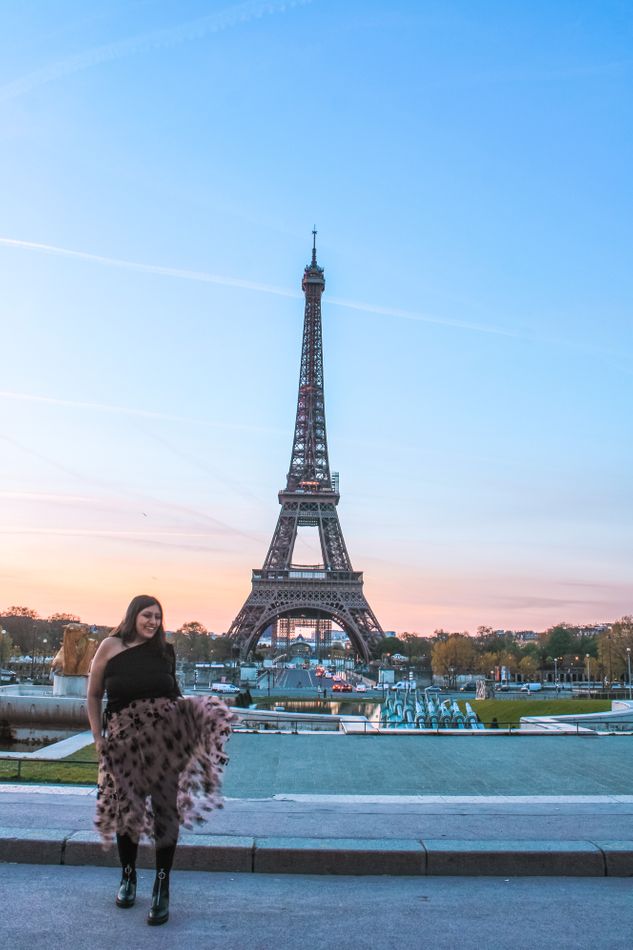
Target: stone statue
{"x": 77, "y": 650}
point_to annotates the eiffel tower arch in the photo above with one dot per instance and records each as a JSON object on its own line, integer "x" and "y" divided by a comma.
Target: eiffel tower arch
{"x": 331, "y": 589}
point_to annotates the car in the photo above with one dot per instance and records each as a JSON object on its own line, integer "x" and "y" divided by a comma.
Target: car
{"x": 467, "y": 687}
{"x": 531, "y": 688}
{"x": 360, "y": 688}
{"x": 405, "y": 684}
{"x": 342, "y": 688}
{"x": 224, "y": 688}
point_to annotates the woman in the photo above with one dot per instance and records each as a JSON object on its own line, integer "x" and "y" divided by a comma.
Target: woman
{"x": 161, "y": 758}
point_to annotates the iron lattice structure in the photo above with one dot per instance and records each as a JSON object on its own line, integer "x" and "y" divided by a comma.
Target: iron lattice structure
{"x": 331, "y": 589}
{"x": 284, "y": 631}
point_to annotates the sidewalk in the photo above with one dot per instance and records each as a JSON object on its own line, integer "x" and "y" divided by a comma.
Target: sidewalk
{"x": 54, "y": 908}
{"x": 378, "y": 805}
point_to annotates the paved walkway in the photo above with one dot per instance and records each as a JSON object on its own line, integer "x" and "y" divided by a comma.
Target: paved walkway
{"x": 53, "y": 908}
{"x": 428, "y": 805}
{"x": 473, "y": 764}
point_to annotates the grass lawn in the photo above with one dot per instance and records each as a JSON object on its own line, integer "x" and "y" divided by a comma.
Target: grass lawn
{"x": 509, "y": 711}
{"x": 80, "y": 768}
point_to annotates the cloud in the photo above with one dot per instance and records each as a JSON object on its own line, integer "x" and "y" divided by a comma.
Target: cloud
{"x": 146, "y": 42}
{"x": 144, "y": 500}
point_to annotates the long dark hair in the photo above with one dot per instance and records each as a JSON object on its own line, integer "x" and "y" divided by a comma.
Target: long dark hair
{"x": 126, "y": 631}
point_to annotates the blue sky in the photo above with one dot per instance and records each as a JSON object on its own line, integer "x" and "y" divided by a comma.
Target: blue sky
{"x": 467, "y": 165}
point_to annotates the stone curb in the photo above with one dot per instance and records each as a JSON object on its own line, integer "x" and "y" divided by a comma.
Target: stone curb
{"x": 350, "y": 856}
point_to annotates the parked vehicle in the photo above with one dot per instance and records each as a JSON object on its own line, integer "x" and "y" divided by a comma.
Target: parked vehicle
{"x": 360, "y": 688}
{"x": 224, "y": 688}
{"x": 531, "y": 687}
{"x": 468, "y": 687}
{"x": 405, "y": 684}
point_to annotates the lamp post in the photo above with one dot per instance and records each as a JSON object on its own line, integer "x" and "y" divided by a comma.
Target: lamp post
{"x": 3, "y": 636}
{"x": 587, "y": 666}
{"x": 33, "y": 650}
{"x": 628, "y": 665}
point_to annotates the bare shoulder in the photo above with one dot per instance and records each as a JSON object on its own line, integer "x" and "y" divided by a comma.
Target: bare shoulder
{"x": 109, "y": 648}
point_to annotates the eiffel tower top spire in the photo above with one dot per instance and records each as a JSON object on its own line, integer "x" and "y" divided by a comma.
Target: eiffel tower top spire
{"x": 309, "y": 464}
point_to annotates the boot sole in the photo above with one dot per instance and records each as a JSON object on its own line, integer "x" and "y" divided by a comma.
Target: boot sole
{"x": 157, "y": 923}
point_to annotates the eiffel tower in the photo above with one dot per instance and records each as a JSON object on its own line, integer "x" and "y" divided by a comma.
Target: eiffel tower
{"x": 332, "y": 590}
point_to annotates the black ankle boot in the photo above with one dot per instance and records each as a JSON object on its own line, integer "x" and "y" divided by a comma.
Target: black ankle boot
{"x": 159, "y": 911}
{"x": 126, "y": 895}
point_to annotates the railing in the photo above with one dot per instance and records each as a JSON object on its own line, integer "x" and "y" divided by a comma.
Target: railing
{"x": 298, "y": 574}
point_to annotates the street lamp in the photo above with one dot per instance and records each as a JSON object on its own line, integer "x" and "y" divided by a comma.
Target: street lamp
{"x": 587, "y": 665}
{"x": 3, "y": 636}
{"x": 628, "y": 664}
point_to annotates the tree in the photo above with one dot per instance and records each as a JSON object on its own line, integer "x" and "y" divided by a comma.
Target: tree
{"x": 416, "y": 647}
{"x": 453, "y": 656}
{"x": 528, "y": 668}
{"x": 7, "y": 647}
{"x": 193, "y": 628}
{"x": 23, "y": 625}
{"x": 21, "y": 612}
{"x": 191, "y": 642}
{"x": 485, "y": 663}
{"x": 484, "y": 634}
{"x": 612, "y": 648}
{"x": 559, "y": 640}
{"x": 389, "y": 646}
{"x": 221, "y": 649}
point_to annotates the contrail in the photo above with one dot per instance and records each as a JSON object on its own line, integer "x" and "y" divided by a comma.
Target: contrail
{"x": 131, "y": 411}
{"x": 200, "y": 276}
{"x": 205, "y": 278}
{"x": 157, "y": 39}
{"x": 422, "y": 317}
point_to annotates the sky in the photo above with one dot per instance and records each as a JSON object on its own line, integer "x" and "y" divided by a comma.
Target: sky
{"x": 467, "y": 166}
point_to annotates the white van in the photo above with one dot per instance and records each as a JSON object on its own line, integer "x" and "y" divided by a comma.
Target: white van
{"x": 531, "y": 687}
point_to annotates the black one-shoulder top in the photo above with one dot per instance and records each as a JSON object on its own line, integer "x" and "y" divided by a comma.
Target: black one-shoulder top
{"x": 140, "y": 672}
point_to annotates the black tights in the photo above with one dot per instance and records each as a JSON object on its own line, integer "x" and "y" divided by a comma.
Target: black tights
{"x": 128, "y": 850}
